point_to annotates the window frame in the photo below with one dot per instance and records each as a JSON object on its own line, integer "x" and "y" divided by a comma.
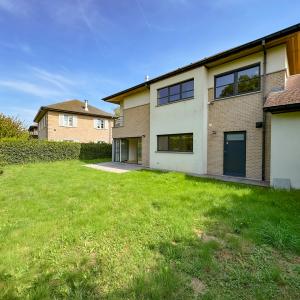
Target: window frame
{"x": 235, "y": 81}
{"x": 67, "y": 124}
{"x": 180, "y": 92}
{"x": 102, "y": 122}
{"x": 174, "y": 134}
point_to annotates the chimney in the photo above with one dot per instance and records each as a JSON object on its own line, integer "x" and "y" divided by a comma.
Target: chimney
{"x": 146, "y": 77}
{"x": 86, "y": 105}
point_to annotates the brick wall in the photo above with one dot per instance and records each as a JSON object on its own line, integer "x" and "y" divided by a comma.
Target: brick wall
{"x": 136, "y": 124}
{"x": 84, "y": 132}
{"x": 240, "y": 113}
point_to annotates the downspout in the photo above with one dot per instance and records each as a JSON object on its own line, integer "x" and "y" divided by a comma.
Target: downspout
{"x": 263, "y": 98}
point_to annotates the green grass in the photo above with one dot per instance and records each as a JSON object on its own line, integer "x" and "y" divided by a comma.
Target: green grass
{"x": 70, "y": 232}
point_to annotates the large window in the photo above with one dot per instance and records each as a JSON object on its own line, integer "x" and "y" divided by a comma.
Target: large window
{"x": 237, "y": 82}
{"x": 176, "y": 92}
{"x": 175, "y": 142}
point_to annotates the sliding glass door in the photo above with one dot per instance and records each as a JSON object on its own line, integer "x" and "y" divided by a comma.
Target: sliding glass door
{"x": 124, "y": 150}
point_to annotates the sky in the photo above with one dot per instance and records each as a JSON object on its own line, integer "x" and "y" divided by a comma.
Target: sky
{"x": 52, "y": 51}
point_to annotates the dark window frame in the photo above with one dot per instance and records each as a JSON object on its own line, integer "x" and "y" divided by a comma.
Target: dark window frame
{"x": 180, "y": 92}
{"x": 235, "y": 81}
{"x": 175, "y": 134}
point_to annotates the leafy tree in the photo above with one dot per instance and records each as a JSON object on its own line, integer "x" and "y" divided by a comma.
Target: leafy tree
{"x": 117, "y": 112}
{"x": 12, "y": 127}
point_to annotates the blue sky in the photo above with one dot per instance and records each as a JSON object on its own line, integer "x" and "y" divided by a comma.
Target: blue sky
{"x": 55, "y": 50}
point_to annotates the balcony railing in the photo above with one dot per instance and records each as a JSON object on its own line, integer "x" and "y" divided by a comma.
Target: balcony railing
{"x": 119, "y": 122}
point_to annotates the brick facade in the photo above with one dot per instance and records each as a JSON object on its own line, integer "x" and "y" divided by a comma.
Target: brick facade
{"x": 136, "y": 124}
{"x": 240, "y": 113}
{"x": 84, "y": 132}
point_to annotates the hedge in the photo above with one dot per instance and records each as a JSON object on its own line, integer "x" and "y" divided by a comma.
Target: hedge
{"x": 25, "y": 151}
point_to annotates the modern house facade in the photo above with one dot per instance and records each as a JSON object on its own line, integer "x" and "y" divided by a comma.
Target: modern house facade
{"x": 75, "y": 121}
{"x": 208, "y": 117}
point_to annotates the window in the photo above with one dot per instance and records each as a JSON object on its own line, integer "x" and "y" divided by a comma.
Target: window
{"x": 237, "y": 82}
{"x": 99, "y": 124}
{"x": 176, "y": 92}
{"x": 67, "y": 120}
{"x": 175, "y": 142}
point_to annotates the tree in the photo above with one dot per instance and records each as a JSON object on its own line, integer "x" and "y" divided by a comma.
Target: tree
{"x": 12, "y": 127}
{"x": 117, "y": 112}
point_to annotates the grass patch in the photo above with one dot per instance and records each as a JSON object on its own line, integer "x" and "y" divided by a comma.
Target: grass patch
{"x": 69, "y": 232}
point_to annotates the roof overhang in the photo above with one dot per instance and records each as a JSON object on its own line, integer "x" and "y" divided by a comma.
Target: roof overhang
{"x": 283, "y": 108}
{"x": 271, "y": 40}
{"x": 42, "y": 111}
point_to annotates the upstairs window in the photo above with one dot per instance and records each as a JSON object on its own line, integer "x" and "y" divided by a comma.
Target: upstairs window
{"x": 237, "y": 82}
{"x": 99, "y": 124}
{"x": 175, "y": 142}
{"x": 176, "y": 92}
{"x": 67, "y": 120}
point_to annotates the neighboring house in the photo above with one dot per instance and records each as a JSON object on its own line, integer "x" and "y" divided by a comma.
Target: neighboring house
{"x": 75, "y": 121}
{"x": 33, "y": 131}
{"x": 208, "y": 117}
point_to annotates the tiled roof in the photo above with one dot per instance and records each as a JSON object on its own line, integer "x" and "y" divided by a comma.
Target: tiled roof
{"x": 77, "y": 106}
{"x": 72, "y": 106}
{"x": 286, "y": 98}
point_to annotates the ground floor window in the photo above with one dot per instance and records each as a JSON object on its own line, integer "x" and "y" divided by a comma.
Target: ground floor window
{"x": 182, "y": 142}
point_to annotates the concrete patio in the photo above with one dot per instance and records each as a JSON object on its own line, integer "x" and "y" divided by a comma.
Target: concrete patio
{"x": 115, "y": 167}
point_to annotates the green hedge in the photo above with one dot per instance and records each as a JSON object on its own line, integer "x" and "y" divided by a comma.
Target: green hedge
{"x": 25, "y": 151}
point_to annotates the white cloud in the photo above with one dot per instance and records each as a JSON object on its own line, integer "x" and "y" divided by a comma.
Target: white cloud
{"x": 58, "y": 80}
{"x": 29, "y": 88}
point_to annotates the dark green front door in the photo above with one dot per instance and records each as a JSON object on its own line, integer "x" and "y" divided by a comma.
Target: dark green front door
{"x": 235, "y": 153}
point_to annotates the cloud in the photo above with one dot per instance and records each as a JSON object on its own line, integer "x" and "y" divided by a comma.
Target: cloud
{"x": 29, "y": 88}
{"x": 58, "y": 80}
{"x": 14, "y": 7}
{"x": 82, "y": 16}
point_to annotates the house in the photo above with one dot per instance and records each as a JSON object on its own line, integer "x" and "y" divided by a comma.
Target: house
{"x": 75, "y": 121}
{"x": 33, "y": 131}
{"x": 208, "y": 117}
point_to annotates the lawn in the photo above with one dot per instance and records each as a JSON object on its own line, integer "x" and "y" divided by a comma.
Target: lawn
{"x": 70, "y": 232}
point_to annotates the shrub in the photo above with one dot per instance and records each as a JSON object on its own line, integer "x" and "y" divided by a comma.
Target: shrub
{"x": 16, "y": 151}
{"x": 2, "y": 163}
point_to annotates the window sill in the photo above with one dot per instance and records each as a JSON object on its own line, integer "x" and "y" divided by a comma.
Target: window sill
{"x": 235, "y": 96}
{"x": 182, "y": 100}
{"x": 175, "y": 152}
{"x": 67, "y": 126}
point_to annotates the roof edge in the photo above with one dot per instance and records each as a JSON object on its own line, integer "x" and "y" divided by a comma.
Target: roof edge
{"x": 44, "y": 109}
{"x": 220, "y": 55}
{"x": 283, "y": 108}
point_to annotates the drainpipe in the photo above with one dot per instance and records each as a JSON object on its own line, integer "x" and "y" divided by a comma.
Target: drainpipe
{"x": 263, "y": 98}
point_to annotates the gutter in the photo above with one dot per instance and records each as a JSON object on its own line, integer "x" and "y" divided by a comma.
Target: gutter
{"x": 283, "y": 108}
{"x": 263, "y": 98}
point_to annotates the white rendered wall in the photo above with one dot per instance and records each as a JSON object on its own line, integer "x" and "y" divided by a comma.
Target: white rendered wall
{"x": 285, "y": 147}
{"x": 188, "y": 116}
